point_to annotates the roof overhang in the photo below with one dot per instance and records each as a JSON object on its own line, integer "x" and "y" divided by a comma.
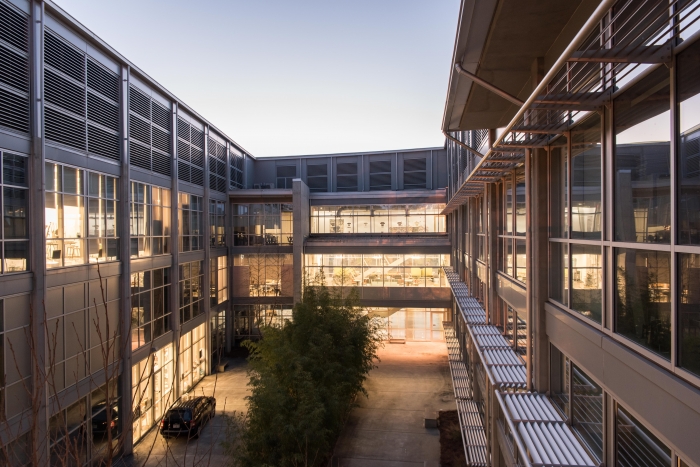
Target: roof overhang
{"x": 500, "y": 41}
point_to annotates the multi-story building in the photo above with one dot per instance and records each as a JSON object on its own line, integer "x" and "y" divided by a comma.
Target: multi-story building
{"x": 140, "y": 242}
{"x": 573, "y": 211}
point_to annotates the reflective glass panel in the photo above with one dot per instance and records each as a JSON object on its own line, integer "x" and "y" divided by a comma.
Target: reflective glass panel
{"x": 689, "y": 313}
{"x": 643, "y": 306}
{"x": 689, "y": 145}
{"x": 586, "y": 179}
{"x": 587, "y": 281}
{"x": 642, "y": 161}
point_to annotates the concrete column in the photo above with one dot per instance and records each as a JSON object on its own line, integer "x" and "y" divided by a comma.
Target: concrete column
{"x": 125, "y": 255}
{"x": 300, "y": 222}
{"x": 37, "y": 241}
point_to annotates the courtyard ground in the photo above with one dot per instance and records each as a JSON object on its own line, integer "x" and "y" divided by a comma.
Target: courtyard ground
{"x": 386, "y": 429}
{"x": 230, "y": 391}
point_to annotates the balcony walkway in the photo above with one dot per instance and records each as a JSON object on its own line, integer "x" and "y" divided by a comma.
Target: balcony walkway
{"x": 528, "y": 422}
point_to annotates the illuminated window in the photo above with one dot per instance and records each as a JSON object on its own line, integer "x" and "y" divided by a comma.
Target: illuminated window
{"x": 81, "y": 216}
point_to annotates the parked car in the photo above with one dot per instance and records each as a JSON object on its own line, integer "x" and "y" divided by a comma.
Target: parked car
{"x": 188, "y": 417}
{"x": 99, "y": 420}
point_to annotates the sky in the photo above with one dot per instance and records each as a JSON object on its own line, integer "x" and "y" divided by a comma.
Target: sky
{"x": 293, "y": 77}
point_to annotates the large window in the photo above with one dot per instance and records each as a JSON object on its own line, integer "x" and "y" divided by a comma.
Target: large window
{"x": 391, "y": 218}
{"x": 190, "y": 222}
{"x": 81, "y": 216}
{"x": 248, "y": 319}
{"x": 73, "y": 431}
{"x": 512, "y": 259}
{"x": 191, "y": 281}
{"x": 15, "y": 199}
{"x": 642, "y": 161}
{"x": 150, "y": 306}
{"x": 263, "y": 275}
{"x": 689, "y": 313}
{"x": 149, "y": 211}
{"x": 219, "y": 280}
{"x": 152, "y": 389}
{"x": 263, "y": 224}
{"x": 193, "y": 357}
{"x": 388, "y": 270}
{"x": 576, "y": 266}
{"x": 635, "y": 445}
{"x": 643, "y": 308}
{"x": 580, "y": 400}
{"x": 689, "y": 145}
{"x": 217, "y": 222}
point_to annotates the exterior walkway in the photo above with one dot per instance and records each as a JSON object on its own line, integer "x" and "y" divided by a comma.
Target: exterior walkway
{"x": 386, "y": 430}
{"x": 230, "y": 389}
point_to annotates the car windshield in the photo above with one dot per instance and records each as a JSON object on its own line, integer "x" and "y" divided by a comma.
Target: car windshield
{"x": 176, "y": 415}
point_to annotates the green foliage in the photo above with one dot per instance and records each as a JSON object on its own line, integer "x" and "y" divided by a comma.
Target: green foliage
{"x": 304, "y": 378}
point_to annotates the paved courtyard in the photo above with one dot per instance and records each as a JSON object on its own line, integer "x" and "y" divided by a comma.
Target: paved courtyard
{"x": 386, "y": 430}
{"x": 230, "y": 391}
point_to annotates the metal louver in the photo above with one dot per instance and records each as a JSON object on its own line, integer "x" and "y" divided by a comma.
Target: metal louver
{"x": 414, "y": 174}
{"x": 82, "y": 100}
{"x": 190, "y": 153}
{"x": 217, "y": 165}
{"x": 346, "y": 176}
{"x": 236, "y": 171}
{"x": 380, "y": 175}
{"x": 317, "y": 177}
{"x": 149, "y": 133}
{"x": 14, "y": 69}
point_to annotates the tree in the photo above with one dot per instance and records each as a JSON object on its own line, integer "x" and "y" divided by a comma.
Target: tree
{"x": 304, "y": 377}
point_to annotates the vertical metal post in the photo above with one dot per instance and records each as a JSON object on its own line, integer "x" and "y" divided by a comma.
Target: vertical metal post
{"x": 206, "y": 242}
{"x": 528, "y": 267}
{"x": 674, "y": 152}
{"x": 175, "y": 252}
{"x": 37, "y": 241}
{"x": 125, "y": 255}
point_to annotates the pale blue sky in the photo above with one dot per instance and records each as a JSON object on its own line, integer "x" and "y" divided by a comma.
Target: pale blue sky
{"x": 296, "y": 76}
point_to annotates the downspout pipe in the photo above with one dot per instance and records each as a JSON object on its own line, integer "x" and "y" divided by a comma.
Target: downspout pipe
{"x": 456, "y": 141}
{"x": 485, "y": 84}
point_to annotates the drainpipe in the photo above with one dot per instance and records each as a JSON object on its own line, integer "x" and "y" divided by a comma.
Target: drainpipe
{"x": 496, "y": 90}
{"x": 456, "y": 141}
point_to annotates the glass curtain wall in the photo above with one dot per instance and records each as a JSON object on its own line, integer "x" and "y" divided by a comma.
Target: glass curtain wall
{"x": 149, "y": 209}
{"x": 512, "y": 227}
{"x": 263, "y": 224}
{"x": 248, "y": 319}
{"x": 219, "y": 280}
{"x": 15, "y": 199}
{"x": 190, "y": 221}
{"x": 193, "y": 357}
{"x": 575, "y": 248}
{"x": 80, "y": 216}
{"x": 378, "y": 270}
{"x": 217, "y": 223}
{"x": 150, "y": 306}
{"x": 373, "y": 219}
{"x": 152, "y": 389}
{"x": 653, "y": 261}
{"x": 191, "y": 281}
{"x": 263, "y": 275}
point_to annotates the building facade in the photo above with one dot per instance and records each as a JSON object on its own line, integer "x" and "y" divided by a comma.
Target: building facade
{"x": 141, "y": 243}
{"x": 572, "y": 213}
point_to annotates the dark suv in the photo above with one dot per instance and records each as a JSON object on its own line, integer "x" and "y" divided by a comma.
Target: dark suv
{"x": 188, "y": 417}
